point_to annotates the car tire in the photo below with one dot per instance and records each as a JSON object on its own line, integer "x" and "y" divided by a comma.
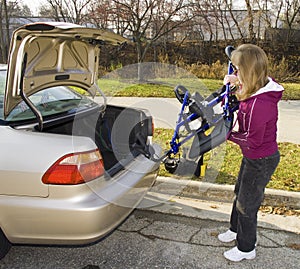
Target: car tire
{"x": 5, "y": 245}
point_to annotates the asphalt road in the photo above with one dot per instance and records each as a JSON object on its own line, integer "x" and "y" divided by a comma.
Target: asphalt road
{"x": 149, "y": 239}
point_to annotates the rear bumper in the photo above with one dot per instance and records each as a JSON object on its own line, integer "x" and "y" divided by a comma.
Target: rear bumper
{"x": 77, "y": 214}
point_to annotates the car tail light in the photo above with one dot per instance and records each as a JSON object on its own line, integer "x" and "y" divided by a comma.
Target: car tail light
{"x": 75, "y": 168}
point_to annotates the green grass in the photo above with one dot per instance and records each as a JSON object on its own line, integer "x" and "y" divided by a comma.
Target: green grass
{"x": 286, "y": 176}
{"x": 164, "y": 87}
{"x": 139, "y": 90}
{"x": 291, "y": 91}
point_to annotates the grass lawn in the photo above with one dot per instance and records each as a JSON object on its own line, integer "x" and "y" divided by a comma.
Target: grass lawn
{"x": 164, "y": 88}
{"x": 157, "y": 88}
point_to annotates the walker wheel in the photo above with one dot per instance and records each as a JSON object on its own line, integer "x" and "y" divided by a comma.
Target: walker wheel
{"x": 171, "y": 164}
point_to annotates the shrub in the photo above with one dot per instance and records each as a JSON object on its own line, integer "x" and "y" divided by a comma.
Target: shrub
{"x": 281, "y": 71}
{"x": 214, "y": 71}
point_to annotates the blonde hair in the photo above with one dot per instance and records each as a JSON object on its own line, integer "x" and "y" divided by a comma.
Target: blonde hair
{"x": 252, "y": 64}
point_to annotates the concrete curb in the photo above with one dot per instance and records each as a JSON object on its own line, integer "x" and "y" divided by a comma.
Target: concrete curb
{"x": 221, "y": 193}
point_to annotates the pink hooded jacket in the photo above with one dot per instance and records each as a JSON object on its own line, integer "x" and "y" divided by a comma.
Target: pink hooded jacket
{"x": 257, "y": 119}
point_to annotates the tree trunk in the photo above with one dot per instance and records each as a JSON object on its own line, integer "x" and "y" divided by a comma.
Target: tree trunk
{"x": 4, "y": 37}
{"x": 250, "y": 21}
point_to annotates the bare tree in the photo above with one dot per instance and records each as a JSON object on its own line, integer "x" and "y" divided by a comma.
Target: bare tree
{"x": 4, "y": 17}
{"x": 205, "y": 21}
{"x": 220, "y": 11}
{"x": 291, "y": 17}
{"x": 220, "y": 19}
{"x": 292, "y": 11}
{"x": 279, "y": 10}
{"x": 69, "y": 10}
{"x": 250, "y": 20}
{"x": 263, "y": 7}
{"x": 147, "y": 21}
{"x": 287, "y": 12}
{"x": 100, "y": 13}
{"x": 283, "y": 15}
{"x": 234, "y": 18}
{"x": 8, "y": 9}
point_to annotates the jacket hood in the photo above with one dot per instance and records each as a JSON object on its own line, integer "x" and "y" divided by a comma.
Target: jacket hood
{"x": 273, "y": 89}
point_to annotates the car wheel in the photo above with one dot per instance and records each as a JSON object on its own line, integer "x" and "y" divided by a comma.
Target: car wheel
{"x": 5, "y": 245}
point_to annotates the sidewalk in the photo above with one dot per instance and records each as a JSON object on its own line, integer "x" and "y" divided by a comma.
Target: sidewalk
{"x": 289, "y": 122}
{"x": 213, "y": 202}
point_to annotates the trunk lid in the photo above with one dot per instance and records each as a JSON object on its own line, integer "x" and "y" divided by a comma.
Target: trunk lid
{"x": 49, "y": 54}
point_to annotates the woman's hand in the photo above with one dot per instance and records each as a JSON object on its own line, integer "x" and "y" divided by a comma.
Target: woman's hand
{"x": 232, "y": 79}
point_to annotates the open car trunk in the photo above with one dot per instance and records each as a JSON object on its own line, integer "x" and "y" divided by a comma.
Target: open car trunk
{"x": 120, "y": 133}
{"x": 52, "y": 55}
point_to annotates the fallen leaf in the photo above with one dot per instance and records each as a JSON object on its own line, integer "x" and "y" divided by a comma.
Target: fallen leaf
{"x": 215, "y": 234}
{"x": 294, "y": 246}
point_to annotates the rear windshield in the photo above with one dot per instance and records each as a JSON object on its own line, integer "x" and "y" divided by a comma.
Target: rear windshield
{"x": 50, "y": 101}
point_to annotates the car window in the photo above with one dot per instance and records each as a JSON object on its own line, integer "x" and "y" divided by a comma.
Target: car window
{"x": 49, "y": 102}
{"x": 2, "y": 86}
{"x": 2, "y": 81}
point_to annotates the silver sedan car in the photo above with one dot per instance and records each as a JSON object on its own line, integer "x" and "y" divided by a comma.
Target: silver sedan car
{"x": 71, "y": 169}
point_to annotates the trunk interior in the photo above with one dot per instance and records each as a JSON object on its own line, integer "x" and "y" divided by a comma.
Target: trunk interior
{"x": 119, "y": 133}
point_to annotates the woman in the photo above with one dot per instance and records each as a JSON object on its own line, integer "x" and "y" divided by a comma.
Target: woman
{"x": 257, "y": 118}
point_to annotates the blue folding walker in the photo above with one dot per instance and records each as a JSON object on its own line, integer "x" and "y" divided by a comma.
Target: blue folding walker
{"x": 200, "y": 108}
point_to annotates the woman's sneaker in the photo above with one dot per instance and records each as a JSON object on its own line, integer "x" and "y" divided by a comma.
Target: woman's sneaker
{"x": 235, "y": 255}
{"x": 227, "y": 237}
